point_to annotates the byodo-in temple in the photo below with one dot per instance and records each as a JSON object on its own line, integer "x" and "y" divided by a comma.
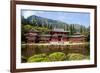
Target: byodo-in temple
{"x": 55, "y": 35}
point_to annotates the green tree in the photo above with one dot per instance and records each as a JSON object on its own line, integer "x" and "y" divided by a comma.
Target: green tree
{"x": 27, "y": 28}
{"x": 74, "y": 29}
{"x": 81, "y": 29}
{"x": 71, "y": 29}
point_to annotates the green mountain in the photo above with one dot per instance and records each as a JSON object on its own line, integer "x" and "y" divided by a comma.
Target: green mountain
{"x": 50, "y": 24}
{"x": 45, "y": 22}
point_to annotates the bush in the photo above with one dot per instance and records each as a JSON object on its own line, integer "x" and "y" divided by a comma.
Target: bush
{"x": 57, "y": 56}
{"x": 88, "y": 57}
{"x": 38, "y": 58}
{"x": 75, "y": 56}
{"x": 23, "y": 59}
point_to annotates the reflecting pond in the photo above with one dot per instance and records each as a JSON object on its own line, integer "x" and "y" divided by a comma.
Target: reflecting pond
{"x": 28, "y": 50}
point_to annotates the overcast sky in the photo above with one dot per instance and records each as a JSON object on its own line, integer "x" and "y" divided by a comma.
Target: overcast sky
{"x": 68, "y": 17}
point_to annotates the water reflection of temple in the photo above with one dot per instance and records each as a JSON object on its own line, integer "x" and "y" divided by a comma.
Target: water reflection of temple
{"x": 55, "y": 35}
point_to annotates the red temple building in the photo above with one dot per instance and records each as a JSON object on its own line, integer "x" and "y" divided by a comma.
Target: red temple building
{"x": 55, "y": 35}
{"x": 59, "y": 35}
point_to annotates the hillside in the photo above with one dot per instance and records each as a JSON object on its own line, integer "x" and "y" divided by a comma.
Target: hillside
{"x": 50, "y": 24}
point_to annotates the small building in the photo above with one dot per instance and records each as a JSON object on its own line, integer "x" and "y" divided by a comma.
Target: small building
{"x": 77, "y": 37}
{"x": 32, "y": 36}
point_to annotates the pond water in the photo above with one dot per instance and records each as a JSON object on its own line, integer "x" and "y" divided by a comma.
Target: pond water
{"x": 29, "y": 50}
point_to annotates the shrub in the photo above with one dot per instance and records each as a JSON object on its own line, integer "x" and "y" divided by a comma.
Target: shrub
{"x": 57, "y": 56}
{"x": 75, "y": 56}
{"x": 23, "y": 59}
{"x": 87, "y": 57}
{"x": 39, "y": 55}
{"x": 38, "y": 58}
